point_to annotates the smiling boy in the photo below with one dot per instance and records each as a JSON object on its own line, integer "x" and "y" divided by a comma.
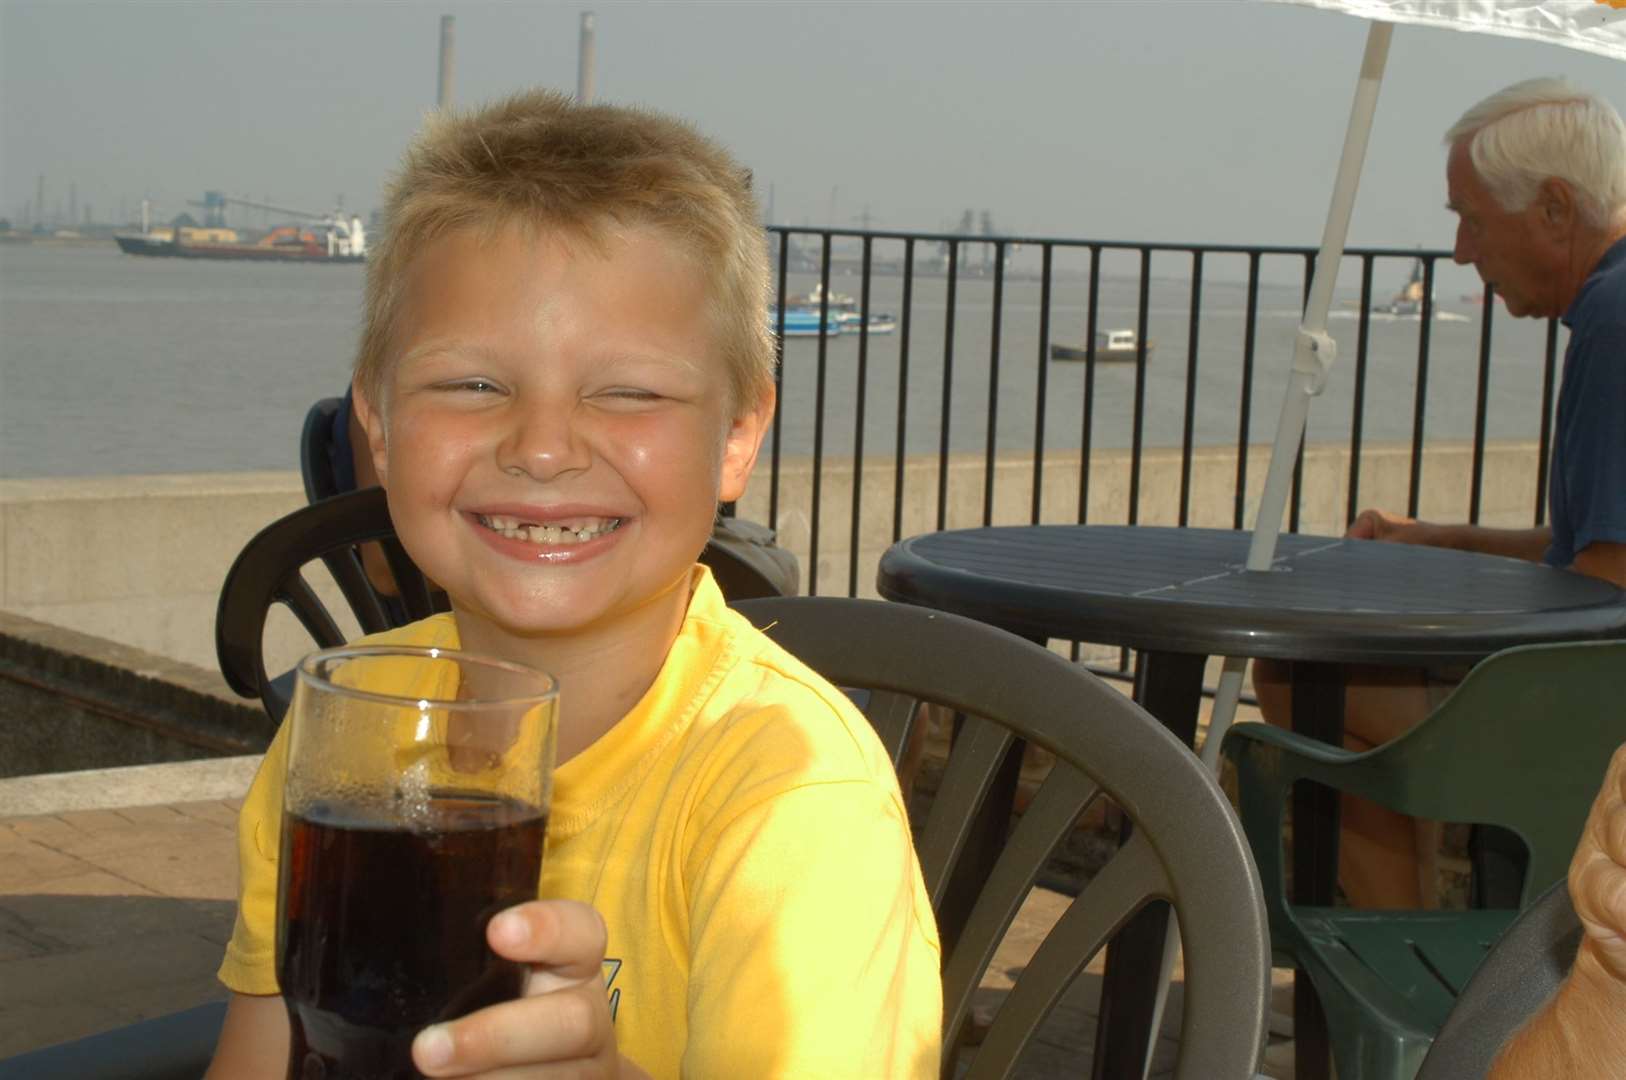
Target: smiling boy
{"x": 565, "y": 368}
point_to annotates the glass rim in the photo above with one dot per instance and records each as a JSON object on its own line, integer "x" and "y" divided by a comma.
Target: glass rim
{"x": 307, "y": 673}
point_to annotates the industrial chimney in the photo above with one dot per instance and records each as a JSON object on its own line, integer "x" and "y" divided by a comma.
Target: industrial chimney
{"x": 443, "y": 92}
{"x": 584, "y": 61}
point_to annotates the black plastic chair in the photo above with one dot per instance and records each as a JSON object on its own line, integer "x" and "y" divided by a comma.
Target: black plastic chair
{"x": 173, "y": 1047}
{"x": 1520, "y": 973}
{"x": 1186, "y": 846}
{"x": 268, "y": 571}
{"x": 316, "y": 450}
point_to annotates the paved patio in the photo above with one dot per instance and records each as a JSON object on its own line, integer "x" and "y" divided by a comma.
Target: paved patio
{"x": 116, "y": 899}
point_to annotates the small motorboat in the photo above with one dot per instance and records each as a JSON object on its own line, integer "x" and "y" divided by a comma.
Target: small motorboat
{"x": 1110, "y": 346}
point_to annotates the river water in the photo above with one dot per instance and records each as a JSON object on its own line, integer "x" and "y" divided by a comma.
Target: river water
{"x": 114, "y": 364}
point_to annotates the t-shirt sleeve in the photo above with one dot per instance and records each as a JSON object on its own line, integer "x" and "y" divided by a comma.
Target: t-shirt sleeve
{"x": 816, "y": 952}
{"x": 250, "y": 963}
{"x": 1595, "y": 451}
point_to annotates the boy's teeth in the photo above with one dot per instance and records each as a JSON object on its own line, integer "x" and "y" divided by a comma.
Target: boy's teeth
{"x": 577, "y": 531}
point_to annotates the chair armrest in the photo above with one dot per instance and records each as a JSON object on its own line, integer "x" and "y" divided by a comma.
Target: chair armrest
{"x": 1269, "y": 761}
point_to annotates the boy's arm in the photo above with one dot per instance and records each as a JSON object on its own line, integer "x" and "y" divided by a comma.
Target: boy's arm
{"x": 815, "y": 941}
{"x": 253, "y": 1040}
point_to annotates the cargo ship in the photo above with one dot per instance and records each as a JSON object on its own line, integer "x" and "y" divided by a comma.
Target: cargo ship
{"x": 328, "y": 238}
{"x": 337, "y": 242}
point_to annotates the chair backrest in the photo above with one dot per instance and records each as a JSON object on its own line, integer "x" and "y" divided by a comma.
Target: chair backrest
{"x": 1522, "y": 743}
{"x": 1519, "y": 974}
{"x": 1186, "y": 846}
{"x": 316, "y": 450}
{"x": 268, "y": 571}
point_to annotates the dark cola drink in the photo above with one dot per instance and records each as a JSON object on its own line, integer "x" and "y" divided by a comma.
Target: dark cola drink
{"x": 383, "y": 926}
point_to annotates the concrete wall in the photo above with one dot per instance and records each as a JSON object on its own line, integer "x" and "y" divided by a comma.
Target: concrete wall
{"x": 71, "y": 701}
{"x": 139, "y": 560}
{"x": 1508, "y": 499}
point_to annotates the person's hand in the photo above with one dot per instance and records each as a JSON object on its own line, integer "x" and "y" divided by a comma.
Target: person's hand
{"x": 1598, "y": 875}
{"x": 1382, "y": 525}
{"x": 560, "y": 1024}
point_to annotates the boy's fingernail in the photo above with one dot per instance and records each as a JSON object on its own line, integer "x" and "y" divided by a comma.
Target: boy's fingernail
{"x": 434, "y": 1046}
{"x": 511, "y": 929}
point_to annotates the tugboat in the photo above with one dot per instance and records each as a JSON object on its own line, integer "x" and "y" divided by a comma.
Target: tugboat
{"x": 1409, "y": 300}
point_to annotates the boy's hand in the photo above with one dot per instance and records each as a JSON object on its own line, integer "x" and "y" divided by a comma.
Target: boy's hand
{"x": 559, "y": 1026}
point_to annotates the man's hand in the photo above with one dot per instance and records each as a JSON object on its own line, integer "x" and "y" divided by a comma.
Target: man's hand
{"x": 561, "y": 1020}
{"x": 1581, "y": 1033}
{"x": 1598, "y": 874}
{"x": 1382, "y": 525}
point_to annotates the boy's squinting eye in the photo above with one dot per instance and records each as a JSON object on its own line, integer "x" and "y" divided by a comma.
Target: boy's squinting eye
{"x": 631, "y": 393}
{"x": 478, "y": 386}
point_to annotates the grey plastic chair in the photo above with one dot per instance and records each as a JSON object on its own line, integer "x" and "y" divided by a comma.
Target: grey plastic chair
{"x": 1518, "y": 976}
{"x": 1186, "y": 847}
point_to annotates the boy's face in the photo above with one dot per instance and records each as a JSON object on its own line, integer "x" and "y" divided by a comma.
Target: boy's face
{"x": 555, "y": 432}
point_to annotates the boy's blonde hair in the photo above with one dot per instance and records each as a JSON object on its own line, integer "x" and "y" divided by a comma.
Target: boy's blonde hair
{"x": 543, "y": 162}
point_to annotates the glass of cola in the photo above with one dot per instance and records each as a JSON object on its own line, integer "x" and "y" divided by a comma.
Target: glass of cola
{"x": 414, "y": 809}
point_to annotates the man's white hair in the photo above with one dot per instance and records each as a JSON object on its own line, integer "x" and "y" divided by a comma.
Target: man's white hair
{"x": 1543, "y": 128}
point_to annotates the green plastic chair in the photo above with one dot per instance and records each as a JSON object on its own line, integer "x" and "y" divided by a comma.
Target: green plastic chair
{"x": 1522, "y": 743}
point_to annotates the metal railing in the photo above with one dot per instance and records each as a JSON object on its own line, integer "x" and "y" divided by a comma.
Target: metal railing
{"x": 930, "y": 278}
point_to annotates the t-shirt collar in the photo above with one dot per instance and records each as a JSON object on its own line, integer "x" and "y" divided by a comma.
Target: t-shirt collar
{"x": 1615, "y": 256}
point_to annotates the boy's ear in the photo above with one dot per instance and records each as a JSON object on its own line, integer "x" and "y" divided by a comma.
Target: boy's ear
{"x": 371, "y": 422}
{"x": 740, "y": 447}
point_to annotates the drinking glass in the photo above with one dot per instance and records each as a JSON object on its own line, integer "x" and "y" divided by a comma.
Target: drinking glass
{"x": 414, "y": 810}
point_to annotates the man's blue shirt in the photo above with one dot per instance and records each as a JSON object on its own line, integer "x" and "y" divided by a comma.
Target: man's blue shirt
{"x": 1588, "y": 484}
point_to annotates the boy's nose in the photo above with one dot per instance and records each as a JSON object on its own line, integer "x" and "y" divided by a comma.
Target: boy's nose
{"x": 544, "y": 443}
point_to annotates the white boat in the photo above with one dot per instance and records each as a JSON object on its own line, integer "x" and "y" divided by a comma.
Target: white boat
{"x": 803, "y": 322}
{"x": 1110, "y": 346}
{"x": 844, "y": 310}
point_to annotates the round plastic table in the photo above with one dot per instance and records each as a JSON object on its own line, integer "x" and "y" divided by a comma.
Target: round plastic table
{"x": 1179, "y": 596}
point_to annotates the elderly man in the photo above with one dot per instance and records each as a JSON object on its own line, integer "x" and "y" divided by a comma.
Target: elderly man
{"x": 1537, "y": 178}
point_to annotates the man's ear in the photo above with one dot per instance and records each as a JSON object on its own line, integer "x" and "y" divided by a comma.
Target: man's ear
{"x": 371, "y": 422}
{"x": 1555, "y": 200}
{"x": 741, "y": 444}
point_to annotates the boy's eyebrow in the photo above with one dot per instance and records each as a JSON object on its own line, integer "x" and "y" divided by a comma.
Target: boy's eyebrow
{"x": 441, "y": 348}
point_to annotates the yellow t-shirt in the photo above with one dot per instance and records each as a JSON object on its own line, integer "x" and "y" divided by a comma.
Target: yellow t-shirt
{"x": 742, "y": 833}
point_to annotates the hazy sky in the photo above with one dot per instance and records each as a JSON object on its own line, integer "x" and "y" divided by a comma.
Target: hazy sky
{"x": 1207, "y": 120}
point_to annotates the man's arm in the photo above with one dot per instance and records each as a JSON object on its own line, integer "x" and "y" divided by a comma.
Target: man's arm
{"x": 1602, "y": 560}
{"x": 253, "y": 1040}
{"x": 1527, "y": 544}
{"x": 1581, "y": 1033}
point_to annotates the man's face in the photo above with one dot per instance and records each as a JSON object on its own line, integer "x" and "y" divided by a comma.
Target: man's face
{"x": 556, "y": 432}
{"x": 1512, "y": 250}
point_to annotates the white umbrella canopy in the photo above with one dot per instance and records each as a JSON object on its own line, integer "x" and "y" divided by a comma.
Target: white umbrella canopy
{"x": 1594, "y": 26}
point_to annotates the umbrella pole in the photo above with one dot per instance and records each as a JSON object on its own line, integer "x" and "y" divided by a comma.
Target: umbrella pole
{"x": 1313, "y": 356}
